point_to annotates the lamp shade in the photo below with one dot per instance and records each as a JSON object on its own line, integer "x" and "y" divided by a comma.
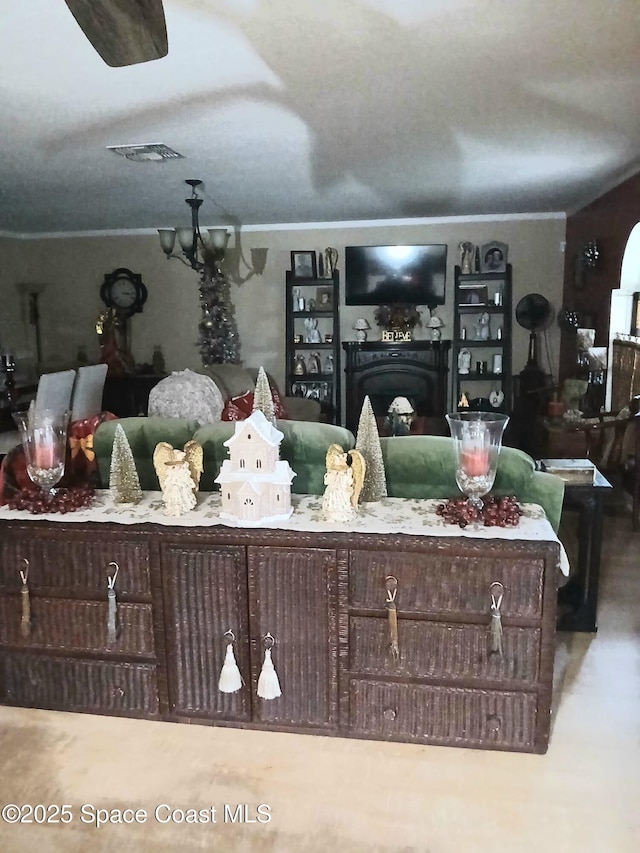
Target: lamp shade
{"x": 167, "y": 239}
{"x": 361, "y": 325}
{"x": 435, "y": 322}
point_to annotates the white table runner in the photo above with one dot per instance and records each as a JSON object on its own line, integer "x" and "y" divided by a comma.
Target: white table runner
{"x": 391, "y": 515}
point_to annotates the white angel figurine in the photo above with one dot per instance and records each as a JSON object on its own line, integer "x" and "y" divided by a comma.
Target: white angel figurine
{"x": 343, "y": 481}
{"x": 178, "y": 494}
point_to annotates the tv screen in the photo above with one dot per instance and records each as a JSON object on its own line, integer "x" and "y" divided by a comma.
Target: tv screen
{"x": 382, "y": 275}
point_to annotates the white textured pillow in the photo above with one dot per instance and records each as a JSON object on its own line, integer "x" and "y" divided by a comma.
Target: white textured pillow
{"x": 186, "y": 394}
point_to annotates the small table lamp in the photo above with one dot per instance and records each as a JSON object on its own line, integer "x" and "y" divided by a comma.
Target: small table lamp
{"x": 361, "y": 327}
{"x": 435, "y": 324}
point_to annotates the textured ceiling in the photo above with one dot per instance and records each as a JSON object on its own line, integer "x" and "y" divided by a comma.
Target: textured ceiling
{"x": 320, "y": 110}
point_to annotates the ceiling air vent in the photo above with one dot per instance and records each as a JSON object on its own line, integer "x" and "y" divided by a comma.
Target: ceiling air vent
{"x": 152, "y": 152}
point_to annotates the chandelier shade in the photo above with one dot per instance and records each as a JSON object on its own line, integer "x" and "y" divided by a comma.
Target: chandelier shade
{"x": 198, "y": 249}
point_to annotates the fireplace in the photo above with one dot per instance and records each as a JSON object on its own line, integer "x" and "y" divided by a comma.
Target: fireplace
{"x": 417, "y": 370}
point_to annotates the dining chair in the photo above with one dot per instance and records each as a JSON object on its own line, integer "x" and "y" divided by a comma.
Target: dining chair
{"x": 54, "y": 391}
{"x": 86, "y": 400}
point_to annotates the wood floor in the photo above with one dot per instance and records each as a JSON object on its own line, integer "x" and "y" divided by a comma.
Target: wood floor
{"x": 356, "y": 796}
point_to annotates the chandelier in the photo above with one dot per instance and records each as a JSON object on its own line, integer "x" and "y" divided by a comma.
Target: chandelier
{"x": 198, "y": 249}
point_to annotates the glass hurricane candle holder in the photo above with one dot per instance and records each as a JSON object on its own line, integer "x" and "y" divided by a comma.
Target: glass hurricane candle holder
{"x": 44, "y": 440}
{"x": 477, "y": 438}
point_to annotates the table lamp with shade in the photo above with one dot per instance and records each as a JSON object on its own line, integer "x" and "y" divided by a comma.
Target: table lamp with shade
{"x": 435, "y": 324}
{"x": 361, "y": 325}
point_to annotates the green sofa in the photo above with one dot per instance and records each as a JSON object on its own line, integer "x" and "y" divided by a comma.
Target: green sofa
{"x": 416, "y": 466}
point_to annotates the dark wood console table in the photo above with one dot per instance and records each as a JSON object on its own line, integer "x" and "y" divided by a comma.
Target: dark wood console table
{"x": 321, "y": 595}
{"x": 416, "y": 369}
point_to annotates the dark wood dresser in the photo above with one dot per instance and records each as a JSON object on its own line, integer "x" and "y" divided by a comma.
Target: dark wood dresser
{"x": 322, "y": 596}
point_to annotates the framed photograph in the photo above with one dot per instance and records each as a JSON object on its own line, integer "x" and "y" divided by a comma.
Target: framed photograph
{"x": 493, "y": 257}
{"x": 472, "y": 294}
{"x": 324, "y": 299}
{"x": 303, "y": 265}
{"x": 328, "y": 339}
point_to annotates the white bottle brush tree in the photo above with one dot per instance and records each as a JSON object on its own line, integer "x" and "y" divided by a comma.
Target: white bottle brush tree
{"x": 262, "y": 399}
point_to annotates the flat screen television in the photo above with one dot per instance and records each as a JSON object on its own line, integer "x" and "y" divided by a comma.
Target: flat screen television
{"x": 383, "y": 275}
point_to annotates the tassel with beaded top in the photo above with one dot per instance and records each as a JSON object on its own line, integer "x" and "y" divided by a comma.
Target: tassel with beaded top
{"x": 497, "y": 592}
{"x": 230, "y": 680}
{"x": 268, "y": 683}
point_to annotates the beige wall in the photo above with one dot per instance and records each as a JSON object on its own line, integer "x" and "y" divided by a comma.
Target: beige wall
{"x": 73, "y": 268}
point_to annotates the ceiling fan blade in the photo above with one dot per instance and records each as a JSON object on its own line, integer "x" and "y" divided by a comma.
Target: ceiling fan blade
{"x": 123, "y": 32}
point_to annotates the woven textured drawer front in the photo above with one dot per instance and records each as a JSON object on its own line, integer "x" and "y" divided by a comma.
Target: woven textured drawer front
{"x": 78, "y": 685}
{"x": 443, "y": 715}
{"x": 442, "y": 650}
{"x": 66, "y": 625}
{"x": 433, "y": 583}
{"x": 74, "y": 562}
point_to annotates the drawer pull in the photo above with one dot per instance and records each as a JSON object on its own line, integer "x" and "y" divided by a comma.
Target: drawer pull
{"x": 118, "y": 692}
{"x": 494, "y": 723}
{"x": 496, "y": 590}
{"x": 391, "y": 586}
{"x": 230, "y": 679}
{"x": 25, "y": 619}
{"x": 389, "y": 714}
{"x": 112, "y": 606}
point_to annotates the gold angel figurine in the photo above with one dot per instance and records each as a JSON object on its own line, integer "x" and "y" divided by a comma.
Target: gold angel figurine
{"x": 343, "y": 481}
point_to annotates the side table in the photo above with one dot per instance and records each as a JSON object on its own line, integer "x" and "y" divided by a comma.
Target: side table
{"x": 580, "y": 592}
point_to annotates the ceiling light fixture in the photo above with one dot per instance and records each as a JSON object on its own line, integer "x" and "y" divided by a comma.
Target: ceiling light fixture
{"x": 198, "y": 250}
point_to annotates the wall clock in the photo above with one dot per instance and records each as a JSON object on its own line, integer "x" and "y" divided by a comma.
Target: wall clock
{"x": 123, "y": 291}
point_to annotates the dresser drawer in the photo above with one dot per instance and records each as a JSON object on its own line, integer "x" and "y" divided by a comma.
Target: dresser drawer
{"x": 442, "y": 650}
{"x": 448, "y": 716}
{"x": 437, "y": 583}
{"x": 66, "y": 625}
{"x": 78, "y": 685}
{"x": 63, "y": 559}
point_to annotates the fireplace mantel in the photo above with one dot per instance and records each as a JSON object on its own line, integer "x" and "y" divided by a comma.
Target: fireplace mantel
{"x": 414, "y": 369}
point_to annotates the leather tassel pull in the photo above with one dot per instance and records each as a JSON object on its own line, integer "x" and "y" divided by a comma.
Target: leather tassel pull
{"x": 497, "y": 593}
{"x": 112, "y": 607}
{"x": 268, "y": 683}
{"x": 25, "y": 618}
{"x": 391, "y": 585}
{"x": 230, "y": 680}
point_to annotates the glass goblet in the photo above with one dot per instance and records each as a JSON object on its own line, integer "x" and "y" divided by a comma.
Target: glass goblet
{"x": 477, "y": 438}
{"x": 44, "y": 439}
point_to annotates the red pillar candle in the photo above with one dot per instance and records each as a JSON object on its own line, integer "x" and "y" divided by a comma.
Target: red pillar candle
{"x": 44, "y": 452}
{"x": 475, "y": 463}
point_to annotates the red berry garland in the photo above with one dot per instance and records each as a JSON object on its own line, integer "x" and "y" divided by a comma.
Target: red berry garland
{"x": 63, "y": 501}
{"x": 496, "y": 512}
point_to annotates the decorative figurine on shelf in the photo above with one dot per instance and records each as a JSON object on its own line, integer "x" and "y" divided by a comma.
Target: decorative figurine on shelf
{"x": 299, "y": 365}
{"x": 483, "y": 327}
{"x": 464, "y": 361}
{"x": 343, "y": 481}
{"x": 328, "y": 364}
{"x": 298, "y": 300}
{"x": 314, "y": 363}
{"x": 330, "y": 262}
{"x": 400, "y": 416}
{"x": 255, "y": 482}
{"x": 467, "y": 255}
{"x": 313, "y": 336}
{"x": 463, "y": 402}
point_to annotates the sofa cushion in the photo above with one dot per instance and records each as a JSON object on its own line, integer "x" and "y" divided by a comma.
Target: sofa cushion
{"x": 423, "y": 466}
{"x": 304, "y": 447}
{"x": 232, "y": 379}
{"x": 143, "y": 435}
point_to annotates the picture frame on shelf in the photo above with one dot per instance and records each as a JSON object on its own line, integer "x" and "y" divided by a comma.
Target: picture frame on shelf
{"x": 303, "y": 265}
{"x": 493, "y": 257}
{"x": 472, "y": 294}
{"x": 324, "y": 299}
